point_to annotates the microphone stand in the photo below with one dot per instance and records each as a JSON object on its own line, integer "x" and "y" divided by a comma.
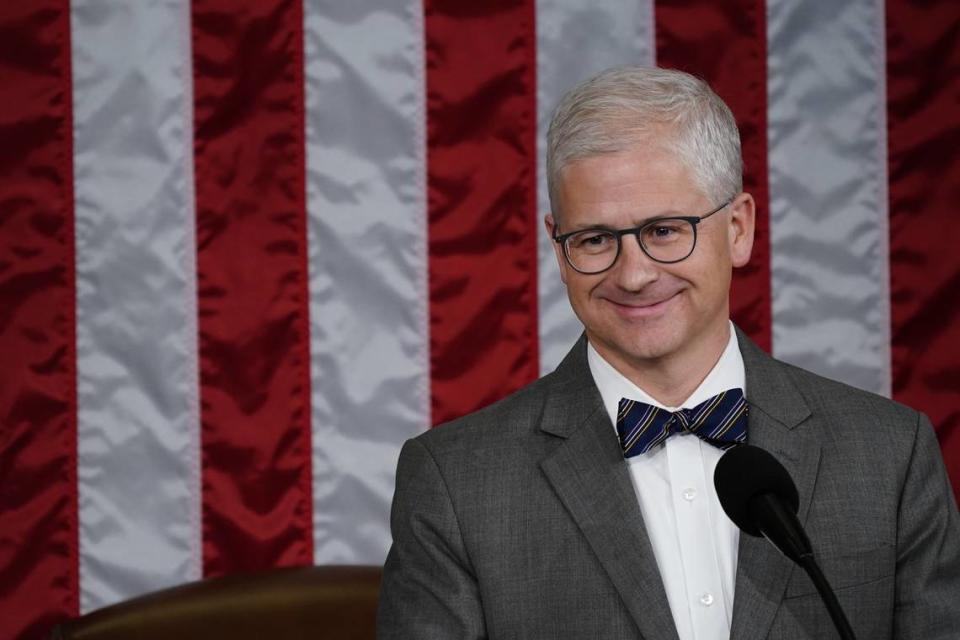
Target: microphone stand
{"x": 840, "y": 621}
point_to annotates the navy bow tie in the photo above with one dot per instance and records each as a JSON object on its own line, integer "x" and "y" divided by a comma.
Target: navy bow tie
{"x": 720, "y": 421}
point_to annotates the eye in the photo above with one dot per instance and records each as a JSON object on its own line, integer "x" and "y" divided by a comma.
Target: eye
{"x": 663, "y": 231}
{"x": 592, "y": 241}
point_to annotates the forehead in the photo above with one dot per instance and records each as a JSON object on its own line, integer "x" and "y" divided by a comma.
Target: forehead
{"x": 642, "y": 181}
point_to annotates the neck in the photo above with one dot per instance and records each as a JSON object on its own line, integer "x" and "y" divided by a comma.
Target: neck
{"x": 672, "y": 378}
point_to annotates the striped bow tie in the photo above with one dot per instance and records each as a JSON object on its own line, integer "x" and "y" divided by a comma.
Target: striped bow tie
{"x": 720, "y": 421}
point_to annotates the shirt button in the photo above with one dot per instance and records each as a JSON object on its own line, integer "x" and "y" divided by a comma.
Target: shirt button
{"x": 706, "y": 599}
{"x": 689, "y": 494}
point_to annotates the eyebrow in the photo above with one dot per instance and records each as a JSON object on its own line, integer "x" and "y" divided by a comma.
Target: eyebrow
{"x": 662, "y": 216}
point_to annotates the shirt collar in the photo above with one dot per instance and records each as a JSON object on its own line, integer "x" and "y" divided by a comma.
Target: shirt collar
{"x": 728, "y": 373}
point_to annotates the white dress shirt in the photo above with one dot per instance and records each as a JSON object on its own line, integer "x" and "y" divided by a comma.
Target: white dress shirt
{"x": 694, "y": 542}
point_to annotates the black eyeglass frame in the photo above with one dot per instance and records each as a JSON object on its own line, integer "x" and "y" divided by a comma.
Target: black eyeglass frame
{"x": 636, "y": 231}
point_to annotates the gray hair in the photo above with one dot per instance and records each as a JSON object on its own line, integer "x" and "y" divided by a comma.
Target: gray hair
{"x": 618, "y": 108}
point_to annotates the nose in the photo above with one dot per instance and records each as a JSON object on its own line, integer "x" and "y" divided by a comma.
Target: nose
{"x": 634, "y": 269}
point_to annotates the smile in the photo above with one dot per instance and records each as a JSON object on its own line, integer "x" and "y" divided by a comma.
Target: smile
{"x": 639, "y": 311}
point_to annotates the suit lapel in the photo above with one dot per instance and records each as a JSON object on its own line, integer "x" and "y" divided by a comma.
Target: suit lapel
{"x": 589, "y": 475}
{"x": 776, "y": 409}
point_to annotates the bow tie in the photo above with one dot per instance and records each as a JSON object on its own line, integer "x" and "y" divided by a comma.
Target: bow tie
{"x": 720, "y": 421}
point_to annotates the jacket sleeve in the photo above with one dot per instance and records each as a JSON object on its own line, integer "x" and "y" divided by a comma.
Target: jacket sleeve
{"x": 928, "y": 547}
{"x": 429, "y": 588}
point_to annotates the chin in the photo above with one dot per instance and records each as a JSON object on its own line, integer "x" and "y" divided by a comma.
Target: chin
{"x": 641, "y": 344}
{"x": 650, "y": 351}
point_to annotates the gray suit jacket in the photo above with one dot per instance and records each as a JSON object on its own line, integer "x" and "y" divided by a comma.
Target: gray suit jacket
{"x": 520, "y": 520}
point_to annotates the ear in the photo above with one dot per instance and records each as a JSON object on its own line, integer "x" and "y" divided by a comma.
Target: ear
{"x": 551, "y": 225}
{"x": 743, "y": 218}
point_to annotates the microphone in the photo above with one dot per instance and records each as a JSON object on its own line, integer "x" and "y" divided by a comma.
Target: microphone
{"x": 759, "y": 496}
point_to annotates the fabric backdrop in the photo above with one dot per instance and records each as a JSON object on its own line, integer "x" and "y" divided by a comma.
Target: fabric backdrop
{"x": 248, "y": 247}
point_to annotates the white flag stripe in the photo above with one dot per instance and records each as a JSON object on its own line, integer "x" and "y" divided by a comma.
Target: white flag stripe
{"x": 574, "y": 41}
{"x": 136, "y": 329}
{"x": 366, "y": 199}
{"x": 828, "y": 189}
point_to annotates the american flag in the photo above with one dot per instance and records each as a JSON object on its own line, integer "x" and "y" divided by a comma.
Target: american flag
{"x": 248, "y": 247}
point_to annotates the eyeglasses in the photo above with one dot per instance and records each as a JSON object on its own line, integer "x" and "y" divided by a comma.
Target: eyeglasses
{"x": 664, "y": 240}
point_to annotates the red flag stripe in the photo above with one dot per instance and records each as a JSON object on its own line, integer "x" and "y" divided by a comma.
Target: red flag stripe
{"x": 725, "y": 44}
{"x": 252, "y": 284}
{"x": 481, "y": 176}
{"x": 38, "y": 499}
{"x": 923, "y": 124}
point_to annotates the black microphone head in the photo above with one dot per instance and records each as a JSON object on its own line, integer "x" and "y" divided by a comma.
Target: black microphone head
{"x": 745, "y": 472}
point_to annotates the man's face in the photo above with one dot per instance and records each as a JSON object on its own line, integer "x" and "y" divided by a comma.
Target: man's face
{"x": 641, "y": 312}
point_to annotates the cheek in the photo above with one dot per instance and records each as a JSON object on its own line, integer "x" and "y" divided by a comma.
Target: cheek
{"x": 715, "y": 287}
{"x": 707, "y": 282}
{"x": 712, "y": 269}
{"x": 581, "y": 288}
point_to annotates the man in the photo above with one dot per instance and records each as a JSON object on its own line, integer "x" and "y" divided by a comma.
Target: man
{"x": 583, "y": 505}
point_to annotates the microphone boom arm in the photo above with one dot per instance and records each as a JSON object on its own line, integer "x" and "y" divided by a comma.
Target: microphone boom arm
{"x": 776, "y": 522}
{"x": 829, "y": 598}
{"x": 759, "y": 496}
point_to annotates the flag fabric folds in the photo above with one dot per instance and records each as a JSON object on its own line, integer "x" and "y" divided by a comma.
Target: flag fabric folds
{"x": 248, "y": 247}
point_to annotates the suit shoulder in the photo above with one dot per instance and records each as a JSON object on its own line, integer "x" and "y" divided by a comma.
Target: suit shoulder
{"x": 509, "y": 418}
{"x": 822, "y": 396}
{"x": 831, "y": 396}
{"x": 854, "y": 419}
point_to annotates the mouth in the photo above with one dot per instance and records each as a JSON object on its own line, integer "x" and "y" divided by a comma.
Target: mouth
{"x": 642, "y": 310}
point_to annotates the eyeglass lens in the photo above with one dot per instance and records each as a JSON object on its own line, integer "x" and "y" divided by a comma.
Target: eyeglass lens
{"x": 595, "y": 250}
